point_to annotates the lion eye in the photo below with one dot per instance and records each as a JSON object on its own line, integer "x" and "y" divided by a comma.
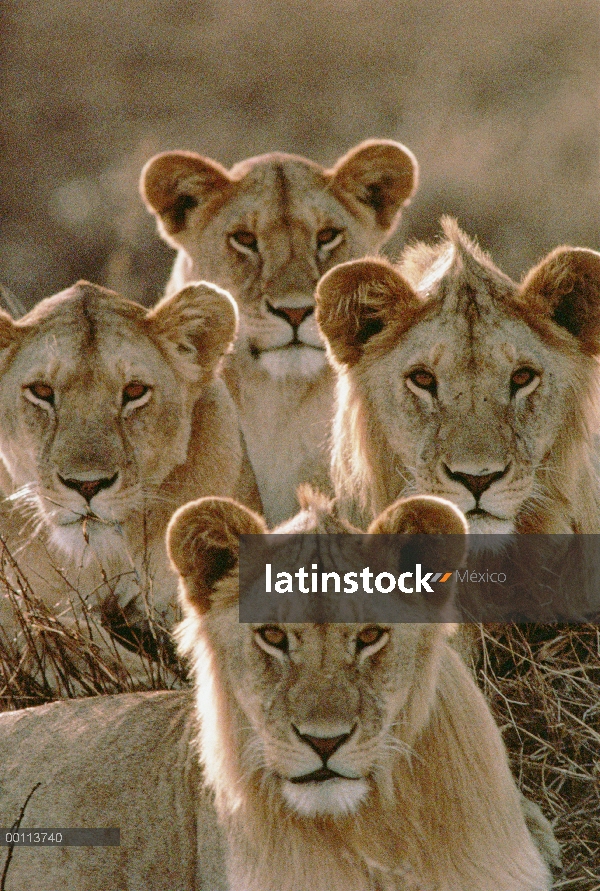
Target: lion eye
{"x": 274, "y": 637}
{"x": 369, "y": 636}
{"x": 423, "y": 380}
{"x": 329, "y": 237}
{"x": 522, "y": 378}
{"x": 41, "y": 391}
{"x": 245, "y": 240}
{"x": 134, "y": 391}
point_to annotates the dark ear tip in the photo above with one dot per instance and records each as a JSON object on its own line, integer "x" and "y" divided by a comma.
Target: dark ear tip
{"x": 172, "y": 183}
{"x": 156, "y": 181}
{"x": 381, "y": 174}
{"x": 565, "y": 288}
{"x": 394, "y": 152}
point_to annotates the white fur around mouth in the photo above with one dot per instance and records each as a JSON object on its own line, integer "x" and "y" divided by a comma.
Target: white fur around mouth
{"x": 293, "y": 360}
{"x": 78, "y": 538}
{"x": 482, "y": 523}
{"x": 336, "y": 797}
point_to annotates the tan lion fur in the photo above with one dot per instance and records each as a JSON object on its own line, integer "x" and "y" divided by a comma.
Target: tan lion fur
{"x": 439, "y": 809}
{"x": 448, "y": 311}
{"x": 82, "y": 349}
{"x": 303, "y": 219}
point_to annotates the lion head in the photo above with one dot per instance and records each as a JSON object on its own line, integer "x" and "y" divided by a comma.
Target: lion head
{"x": 342, "y": 741}
{"x": 267, "y": 230}
{"x": 270, "y": 227}
{"x": 97, "y": 397}
{"x": 112, "y": 417}
{"x": 455, "y": 381}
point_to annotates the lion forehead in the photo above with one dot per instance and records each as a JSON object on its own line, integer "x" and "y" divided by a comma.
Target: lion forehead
{"x": 466, "y": 353}
{"x": 77, "y": 353}
{"x": 321, "y": 673}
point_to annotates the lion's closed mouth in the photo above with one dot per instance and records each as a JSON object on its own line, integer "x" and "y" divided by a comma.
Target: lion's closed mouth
{"x": 293, "y": 344}
{"x": 478, "y": 512}
{"x": 320, "y": 776}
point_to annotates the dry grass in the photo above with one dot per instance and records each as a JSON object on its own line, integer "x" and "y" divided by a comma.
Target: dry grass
{"x": 543, "y": 682}
{"x": 498, "y": 101}
{"x": 73, "y": 655}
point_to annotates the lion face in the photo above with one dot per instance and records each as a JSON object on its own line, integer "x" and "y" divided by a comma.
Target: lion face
{"x": 97, "y": 395}
{"x": 270, "y": 227}
{"x": 319, "y": 707}
{"x": 324, "y": 734}
{"x": 468, "y": 379}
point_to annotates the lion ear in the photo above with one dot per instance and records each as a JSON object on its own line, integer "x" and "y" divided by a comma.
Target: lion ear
{"x": 357, "y": 300}
{"x": 9, "y": 332}
{"x": 423, "y": 516}
{"x": 174, "y": 183}
{"x": 565, "y": 287}
{"x": 420, "y": 515}
{"x": 198, "y": 325}
{"x": 380, "y": 174}
{"x": 203, "y": 546}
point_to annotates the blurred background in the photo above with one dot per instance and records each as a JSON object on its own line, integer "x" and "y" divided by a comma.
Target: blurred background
{"x": 499, "y": 101}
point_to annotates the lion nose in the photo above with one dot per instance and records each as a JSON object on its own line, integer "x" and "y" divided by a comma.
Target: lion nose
{"x": 295, "y": 315}
{"x": 89, "y": 488}
{"x": 324, "y": 746}
{"x": 476, "y": 483}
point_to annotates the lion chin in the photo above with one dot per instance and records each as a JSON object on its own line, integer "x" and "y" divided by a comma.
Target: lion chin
{"x": 298, "y": 361}
{"x": 85, "y": 540}
{"x": 336, "y": 797}
{"x": 482, "y": 523}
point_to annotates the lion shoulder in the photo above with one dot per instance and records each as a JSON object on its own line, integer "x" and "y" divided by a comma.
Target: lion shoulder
{"x": 125, "y": 762}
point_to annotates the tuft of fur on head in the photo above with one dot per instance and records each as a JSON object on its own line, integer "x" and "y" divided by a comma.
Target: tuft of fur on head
{"x": 558, "y": 301}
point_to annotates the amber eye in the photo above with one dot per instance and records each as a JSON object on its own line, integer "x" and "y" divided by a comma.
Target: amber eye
{"x": 274, "y": 636}
{"x": 370, "y": 635}
{"x": 243, "y": 238}
{"x": 521, "y": 378}
{"x": 134, "y": 390}
{"x": 42, "y": 391}
{"x": 326, "y": 237}
{"x": 424, "y": 380}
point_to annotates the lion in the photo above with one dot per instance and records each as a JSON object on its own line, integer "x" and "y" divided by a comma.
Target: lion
{"x": 362, "y": 754}
{"x": 112, "y": 416}
{"x": 266, "y": 230}
{"x": 455, "y": 381}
